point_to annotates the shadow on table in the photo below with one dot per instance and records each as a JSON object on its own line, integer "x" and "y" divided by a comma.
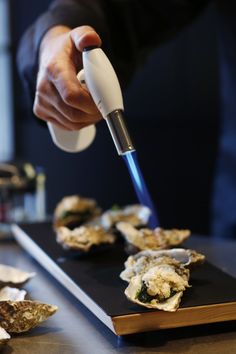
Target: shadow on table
{"x": 159, "y": 338}
{"x": 6, "y": 349}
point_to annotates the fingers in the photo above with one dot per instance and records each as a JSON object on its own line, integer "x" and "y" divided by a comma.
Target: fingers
{"x": 49, "y": 106}
{"x": 69, "y": 88}
{"x": 48, "y": 113}
{"x": 52, "y": 97}
{"x": 59, "y": 97}
{"x": 85, "y": 36}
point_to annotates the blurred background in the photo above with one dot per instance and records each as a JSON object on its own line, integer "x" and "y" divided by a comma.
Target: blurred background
{"x": 182, "y": 125}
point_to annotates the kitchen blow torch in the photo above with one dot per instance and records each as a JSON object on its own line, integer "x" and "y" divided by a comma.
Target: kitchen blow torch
{"x": 101, "y": 81}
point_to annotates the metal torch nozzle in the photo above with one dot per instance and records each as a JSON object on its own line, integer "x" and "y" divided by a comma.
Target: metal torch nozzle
{"x": 120, "y": 135}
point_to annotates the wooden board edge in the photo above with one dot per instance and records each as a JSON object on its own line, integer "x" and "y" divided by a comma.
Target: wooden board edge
{"x": 158, "y": 320}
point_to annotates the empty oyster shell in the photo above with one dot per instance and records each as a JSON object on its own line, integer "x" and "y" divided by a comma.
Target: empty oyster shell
{"x": 136, "y": 215}
{"x": 142, "y": 261}
{"x": 4, "y": 336}
{"x": 152, "y": 239}
{"x": 74, "y": 210}
{"x": 84, "y": 237}
{"x": 21, "y": 316}
{"x": 160, "y": 287}
{"x": 13, "y": 294}
{"x": 13, "y": 276}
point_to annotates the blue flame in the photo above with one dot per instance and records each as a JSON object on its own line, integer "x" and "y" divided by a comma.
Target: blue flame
{"x": 140, "y": 186}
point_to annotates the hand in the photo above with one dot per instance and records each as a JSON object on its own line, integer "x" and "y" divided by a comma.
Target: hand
{"x": 59, "y": 97}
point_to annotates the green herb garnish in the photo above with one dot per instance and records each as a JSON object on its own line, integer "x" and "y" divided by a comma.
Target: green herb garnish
{"x": 115, "y": 207}
{"x": 81, "y": 214}
{"x": 143, "y": 296}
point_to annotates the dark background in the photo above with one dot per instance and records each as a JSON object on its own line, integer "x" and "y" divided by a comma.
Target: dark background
{"x": 171, "y": 104}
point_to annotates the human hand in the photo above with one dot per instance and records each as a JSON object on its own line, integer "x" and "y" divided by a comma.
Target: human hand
{"x": 60, "y": 98}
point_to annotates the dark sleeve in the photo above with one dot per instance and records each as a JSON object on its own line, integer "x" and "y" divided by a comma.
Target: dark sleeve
{"x": 129, "y": 29}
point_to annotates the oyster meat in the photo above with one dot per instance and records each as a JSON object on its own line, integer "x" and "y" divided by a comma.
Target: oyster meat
{"x": 21, "y": 316}
{"x": 4, "y": 336}
{"x": 152, "y": 239}
{"x": 136, "y": 215}
{"x": 160, "y": 287}
{"x": 13, "y": 276}
{"x": 143, "y": 260}
{"x": 84, "y": 237}
{"x": 13, "y": 294}
{"x": 74, "y": 210}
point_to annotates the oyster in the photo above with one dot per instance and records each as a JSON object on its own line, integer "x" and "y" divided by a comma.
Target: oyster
{"x": 83, "y": 237}
{"x": 142, "y": 261}
{"x": 74, "y": 210}
{"x": 21, "y": 316}
{"x": 160, "y": 287}
{"x": 152, "y": 239}
{"x": 4, "y": 336}
{"x": 13, "y": 276}
{"x": 136, "y": 215}
{"x": 13, "y": 294}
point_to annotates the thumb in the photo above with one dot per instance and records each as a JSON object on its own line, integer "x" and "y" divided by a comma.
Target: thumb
{"x": 85, "y": 36}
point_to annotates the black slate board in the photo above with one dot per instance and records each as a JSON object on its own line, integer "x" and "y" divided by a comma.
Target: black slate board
{"x": 97, "y": 274}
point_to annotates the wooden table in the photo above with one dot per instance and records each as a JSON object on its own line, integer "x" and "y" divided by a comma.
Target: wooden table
{"x": 74, "y": 330}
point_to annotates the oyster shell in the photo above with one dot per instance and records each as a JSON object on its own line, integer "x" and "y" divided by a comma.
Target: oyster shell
{"x": 160, "y": 287}
{"x": 84, "y": 237}
{"x": 4, "y": 336}
{"x": 136, "y": 215}
{"x": 152, "y": 239}
{"x": 142, "y": 261}
{"x": 21, "y": 316}
{"x": 74, "y": 210}
{"x": 13, "y": 276}
{"x": 13, "y": 294}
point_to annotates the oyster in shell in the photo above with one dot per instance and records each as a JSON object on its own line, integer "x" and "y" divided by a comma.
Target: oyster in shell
{"x": 136, "y": 215}
{"x": 74, "y": 210}
{"x": 84, "y": 237}
{"x": 4, "y": 336}
{"x": 13, "y": 294}
{"x": 151, "y": 239}
{"x": 142, "y": 261}
{"x": 13, "y": 276}
{"x": 21, "y": 316}
{"x": 160, "y": 287}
